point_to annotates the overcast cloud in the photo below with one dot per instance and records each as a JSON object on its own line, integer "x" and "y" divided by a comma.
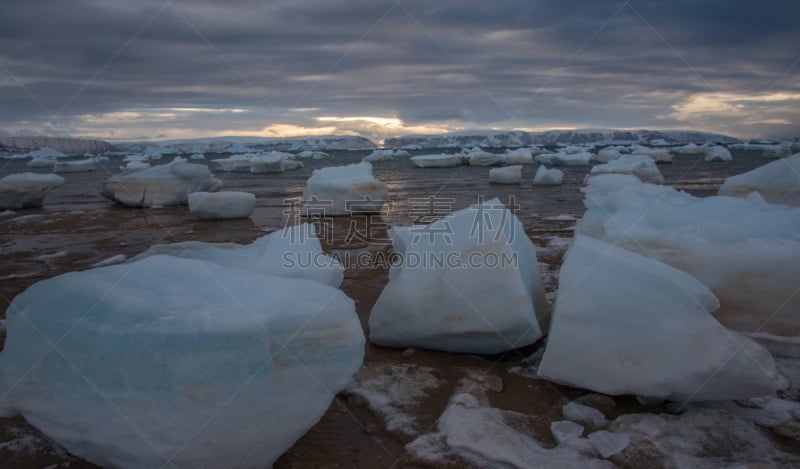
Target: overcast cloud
{"x": 157, "y": 69}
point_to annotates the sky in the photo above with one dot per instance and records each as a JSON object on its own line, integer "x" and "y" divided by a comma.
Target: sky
{"x": 161, "y": 69}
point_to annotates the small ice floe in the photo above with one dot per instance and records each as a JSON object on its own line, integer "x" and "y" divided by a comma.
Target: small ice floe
{"x": 506, "y": 175}
{"x": 482, "y": 300}
{"x": 717, "y": 153}
{"x": 628, "y": 324}
{"x": 478, "y": 157}
{"x": 730, "y": 244}
{"x": 221, "y": 205}
{"x": 778, "y": 182}
{"x": 442, "y": 160}
{"x": 521, "y": 155}
{"x": 386, "y": 155}
{"x": 244, "y": 350}
{"x": 606, "y": 154}
{"x": 548, "y": 177}
{"x": 641, "y": 166}
{"x": 164, "y": 185}
{"x": 25, "y": 190}
{"x": 344, "y": 190}
{"x": 75, "y": 166}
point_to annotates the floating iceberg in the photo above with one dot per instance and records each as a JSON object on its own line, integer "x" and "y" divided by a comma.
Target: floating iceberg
{"x": 25, "y": 190}
{"x": 261, "y": 162}
{"x": 767, "y": 150}
{"x": 518, "y": 156}
{"x": 156, "y": 153}
{"x": 607, "y": 154}
{"x": 437, "y": 161}
{"x": 717, "y": 153}
{"x": 42, "y": 162}
{"x": 385, "y": 155}
{"x": 778, "y": 182}
{"x": 548, "y": 177}
{"x": 478, "y": 157}
{"x": 124, "y": 368}
{"x": 273, "y": 162}
{"x": 314, "y": 155}
{"x": 659, "y": 155}
{"x": 134, "y": 164}
{"x": 344, "y": 190}
{"x": 582, "y": 158}
{"x": 641, "y": 166}
{"x": 730, "y": 244}
{"x": 164, "y": 185}
{"x": 690, "y": 149}
{"x": 221, "y": 205}
{"x": 75, "y": 166}
{"x": 294, "y": 252}
{"x": 506, "y": 175}
{"x": 466, "y": 283}
{"x": 628, "y": 324}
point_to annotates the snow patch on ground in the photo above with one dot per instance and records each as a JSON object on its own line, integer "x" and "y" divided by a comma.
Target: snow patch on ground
{"x": 472, "y": 430}
{"x": 393, "y": 391}
{"x": 699, "y": 438}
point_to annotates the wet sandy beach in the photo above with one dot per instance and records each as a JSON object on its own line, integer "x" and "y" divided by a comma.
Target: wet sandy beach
{"x": 78, "y": 229}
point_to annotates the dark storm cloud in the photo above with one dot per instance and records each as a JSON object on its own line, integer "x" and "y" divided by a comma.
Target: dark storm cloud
{"x": 512, "y": 63}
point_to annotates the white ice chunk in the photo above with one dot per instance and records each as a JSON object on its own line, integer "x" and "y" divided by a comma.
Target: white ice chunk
{"x": 42, "y": 162}
{"x": 717, "y": 153}
{"x": 659, "y": 155}
{"x": 548, "y": 177}
{"x": 578, "y": 412}
{"x": 607, "y": 154}
{"x": 689, "y": 149}
{"x": 221, "y": 205}
{"x": 156, "y": 153}
{"x": 466, "y": 283}
{"x": 565, "y": 430}
{"x": 478, "y": 157}
{"x": 45, "y": 152}
{"x": 506, "y": 175}
{"x": 608, "y": 443}
{"x": 176, "y": 361}
{"x": 294, "y": 252}
{"x": 135, "y": 164}
{"x": 641, "y": 166}
{"x": 518, "y": 156}
{"x": 344, "y": 190}
{"x": 778, "y": 182}
{"x": 380, "y": 155}
{"x": 702, "y": 438}
{"x": 233, "y": 163}
{"x": 582, "y": 158}
{"x": 437, "y": 161}
{"x": 75, "y": 166}
{"x": 164, "y": 185}
{"x": 730, "y": 244}
{"x": 470, "y": 429}
{"x": 24, "y": 190}
{"x": 627, "y": 324}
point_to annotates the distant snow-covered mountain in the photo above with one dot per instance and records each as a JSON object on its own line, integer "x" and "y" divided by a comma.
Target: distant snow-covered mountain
{"x": 225, "y": 144}
{"x": 69, "y": 146}
{"x": 518, "y": 138}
